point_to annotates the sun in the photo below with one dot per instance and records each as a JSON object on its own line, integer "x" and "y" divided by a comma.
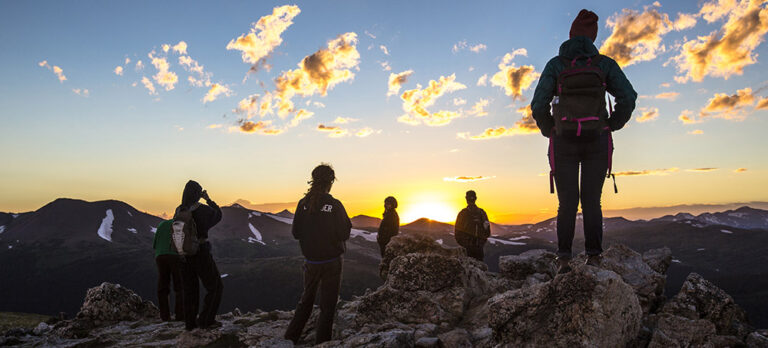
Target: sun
{"x": 433, "y": 210}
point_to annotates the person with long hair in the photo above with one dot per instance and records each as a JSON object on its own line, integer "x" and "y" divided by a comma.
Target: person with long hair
{"x": 200, "y": 267}
{"x": 322, "y": 227}
{"x": 390, "y": 224}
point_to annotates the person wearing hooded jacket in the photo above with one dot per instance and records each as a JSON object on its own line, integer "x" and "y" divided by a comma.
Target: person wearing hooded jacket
{"x": 390, "y": 224}
{"x": 201, "y": 267}
{"x": 322, "y": 227}
{"x": 472, "y": 228}
{"x": 591, "y": 153}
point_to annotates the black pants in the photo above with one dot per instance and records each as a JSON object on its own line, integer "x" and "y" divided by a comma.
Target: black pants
{"x": 592, "y": 155}
{"x": 326, "y": 277}
{"x": 382, "y": 245}
{"x": 473, "y": 245}
{"x": 169, "y": 268}
{"x": 201, "y": 266}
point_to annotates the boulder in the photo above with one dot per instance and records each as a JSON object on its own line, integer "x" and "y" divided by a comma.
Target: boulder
{"x": 529, "y": 263}
{"x": 586, "y": 307}
{"x": 758, "y": 339}
{"x": 676, "y": 331}
{"x": 700, "y": 299}
{"x": 407, "y": 243}
{"x": 630, "y": 265}
{"x": 110, "y": 303}
{"x": 658, "y": 259}
{"x": 458, "y": 338}
{"x": 428, "y": 342}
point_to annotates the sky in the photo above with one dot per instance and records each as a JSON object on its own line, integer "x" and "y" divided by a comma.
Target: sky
{"x": 420, "y": 100}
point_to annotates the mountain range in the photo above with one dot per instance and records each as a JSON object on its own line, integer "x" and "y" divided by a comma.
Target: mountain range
{"x": 49, "y": 257}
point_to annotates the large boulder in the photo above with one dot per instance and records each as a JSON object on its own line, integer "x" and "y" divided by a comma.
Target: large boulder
{"x": 659, "y": 259}
{"x": 700, "y": 299}
{"x": 630, "y": 265}
{"x": 758, "y": 339}
{"x": 529, "y": 263}
{"x": 587, "y": 307}
{"x": 675, "y": 331}
{"x": 407, "y": 243}
{"x": 110, "y": 303}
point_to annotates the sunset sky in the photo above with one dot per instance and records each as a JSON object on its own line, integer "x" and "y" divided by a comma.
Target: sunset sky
{"x": 422, "y": 100}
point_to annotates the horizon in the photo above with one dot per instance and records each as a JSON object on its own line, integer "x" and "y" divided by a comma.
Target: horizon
{"x": 128, "y": 104}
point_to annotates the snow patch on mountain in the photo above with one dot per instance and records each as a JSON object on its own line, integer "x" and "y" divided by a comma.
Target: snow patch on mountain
{"x": 154, "y": 229}
{"x": 726, "y": 231}
{"x": 519, "y": 238}
{"x": 15, "y": 215}
{"x": 505, "y": 242}
{"x": 132, "y": 230}
{"x": 105, "y": 230}
{"x": 2, "y": 229}
{"x": 439, "y": 241}
{"x": 10, "y": 247}
{"x": 225, "y": 275}
{"x": 369, "y": 236}
{"x": 253, "y": 213}
{"x": 281, "y": 219}
{"x": 256, "y": 234}
{"x": 129, "y": 212}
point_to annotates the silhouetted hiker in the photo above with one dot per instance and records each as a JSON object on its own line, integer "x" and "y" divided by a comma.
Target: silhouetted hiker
{"x": 472, "y": 228}
{"x": 579, "y": 130}
{"x": 322, "y": 227}
{"x": 168, "y": 268}
{"x": 390, "y": 224}
{"x": 197, "y": 263}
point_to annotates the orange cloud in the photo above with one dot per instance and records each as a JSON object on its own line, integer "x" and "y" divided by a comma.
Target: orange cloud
{"x": 665, "y": 171}
{"x": 82, "y": 92}
{"x": 467, "y": 178}
{"x": 696, "y": 132}
{"x": 333, "y": 131}
{"x": 261, "y": 127}
{"x": 636, "y": 36}
{"x": 724, "y": 52}
{"x": 648, "y": 114}
{"x": 214, "y": 126}
{"x": 483, "y": 80}
{"x": 762, "y": 104}
{"x": 164, "y": 76}
{"x": 56, "y": 70}
{"x": 671, "y": 96}
{"x": 478, "y": 109}
{"x": 701, "y": 170}
{"x": 512, "y": 78}
{"x": 384, "y": 49}
{"x": 265, "y": 35}
{"x": 728, "y": 107}
{"x": 524, "y": 126}
{"x": 216, "y": 90}
{"x": 740, "y": 170}
{"x": 416, "y": 101}
{"x": 364, "y": 132}
{"x": 459, "y": 101}
{"x": 344, "y": 120}
{"x": 180, "y": 48}
{"x": 149, "y": 85}
{"x": 463, "y": 45}
{"x": 687, "y": 117}
{"x": 118, "y": 71}
{"x": 203, "y": 78}
{"x": 396, "y": 82}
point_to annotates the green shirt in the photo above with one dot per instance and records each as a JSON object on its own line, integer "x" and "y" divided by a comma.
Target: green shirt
{"x": 162, "y": 242}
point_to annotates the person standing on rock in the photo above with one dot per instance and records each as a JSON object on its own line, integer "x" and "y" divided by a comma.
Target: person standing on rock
{"x": 579, "y": 130}
{"x": 472, "y": 228}
{"x": 168, "y": 268}
{"x": 390, "y": 224}
{"x": 200, "y": 267}
{"x": 322, "y": 227}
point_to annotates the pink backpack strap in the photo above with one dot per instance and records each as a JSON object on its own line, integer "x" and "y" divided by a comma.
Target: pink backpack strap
{"x": 552, "y": 161}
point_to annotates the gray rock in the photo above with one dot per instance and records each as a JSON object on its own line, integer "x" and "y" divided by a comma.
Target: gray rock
{"x": 458, "y": 338}
{"x": 428, "y": 342}
{"x": 758, "y": 339}
{"x": 676, "y": 331}
{"x": 110, "y": 303}
{"x": 407, "y": 243}
{"x": 700, "y": 299}
{"x": 520, "y": 267}
{"x": 41, "y": 329}
{"x": 658, "y": 259}
{"x": 586, "y": 307}
{"x": 647, "y": 283}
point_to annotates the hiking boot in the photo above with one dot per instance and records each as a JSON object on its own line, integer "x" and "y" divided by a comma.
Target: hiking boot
{"x": 212, "y": 325}
{"x": 563, "y": 265}
{"x": 594, "y": 260}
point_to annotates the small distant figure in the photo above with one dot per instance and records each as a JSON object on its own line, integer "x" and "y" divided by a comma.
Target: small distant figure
{"x": 168, "y": 268}
{"x": 322, "y": 227}
{"x": 390, "y": 224}
{"x": 569, "y": 107}
{"x": 192, "y": 220}
{"x": 472, "y": 228}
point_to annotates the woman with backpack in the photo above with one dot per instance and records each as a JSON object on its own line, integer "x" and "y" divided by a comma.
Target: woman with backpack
{"x": 322, "y": 227}
{"x": 390, "y": 224}
{"x": 579, "y": 129}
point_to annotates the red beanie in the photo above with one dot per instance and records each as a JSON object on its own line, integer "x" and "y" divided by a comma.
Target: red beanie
{"x": 585, "y": 24}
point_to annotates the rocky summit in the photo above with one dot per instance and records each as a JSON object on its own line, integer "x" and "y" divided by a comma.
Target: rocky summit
{"x": 435, "y": 296}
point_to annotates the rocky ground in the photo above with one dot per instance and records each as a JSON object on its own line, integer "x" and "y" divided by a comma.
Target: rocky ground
{"x": 437, "y": 297}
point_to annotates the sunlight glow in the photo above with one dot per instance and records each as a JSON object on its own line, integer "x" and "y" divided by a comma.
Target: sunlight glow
{"x": 434, "y": 210}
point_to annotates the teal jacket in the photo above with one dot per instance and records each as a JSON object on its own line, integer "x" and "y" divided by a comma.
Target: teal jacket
{"x": 618, "y": 85}
{"x": 162, "y": 242}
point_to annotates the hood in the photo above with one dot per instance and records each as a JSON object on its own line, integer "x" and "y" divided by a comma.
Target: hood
{"x": 578, "y": 46}
{"x": 192, "y": 193}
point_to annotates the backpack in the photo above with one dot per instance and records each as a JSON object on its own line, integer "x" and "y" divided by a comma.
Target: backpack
{"x": 184, "y": 231}
{"x": 579, "y": 104}
{"x": 476, "y": 225}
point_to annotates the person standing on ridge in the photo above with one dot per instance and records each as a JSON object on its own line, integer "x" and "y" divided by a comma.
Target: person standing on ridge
{"x": 472, "y": 228}
{"x": 200, "y": 265}
{"x": 168, "y": 268}
{"x": 579, "y": 130}
{"x": 322, "y": 227}
{"x": 390, "y": 224}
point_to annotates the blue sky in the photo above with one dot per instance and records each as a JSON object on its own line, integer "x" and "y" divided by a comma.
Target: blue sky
{"x": 121, "y": 142}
